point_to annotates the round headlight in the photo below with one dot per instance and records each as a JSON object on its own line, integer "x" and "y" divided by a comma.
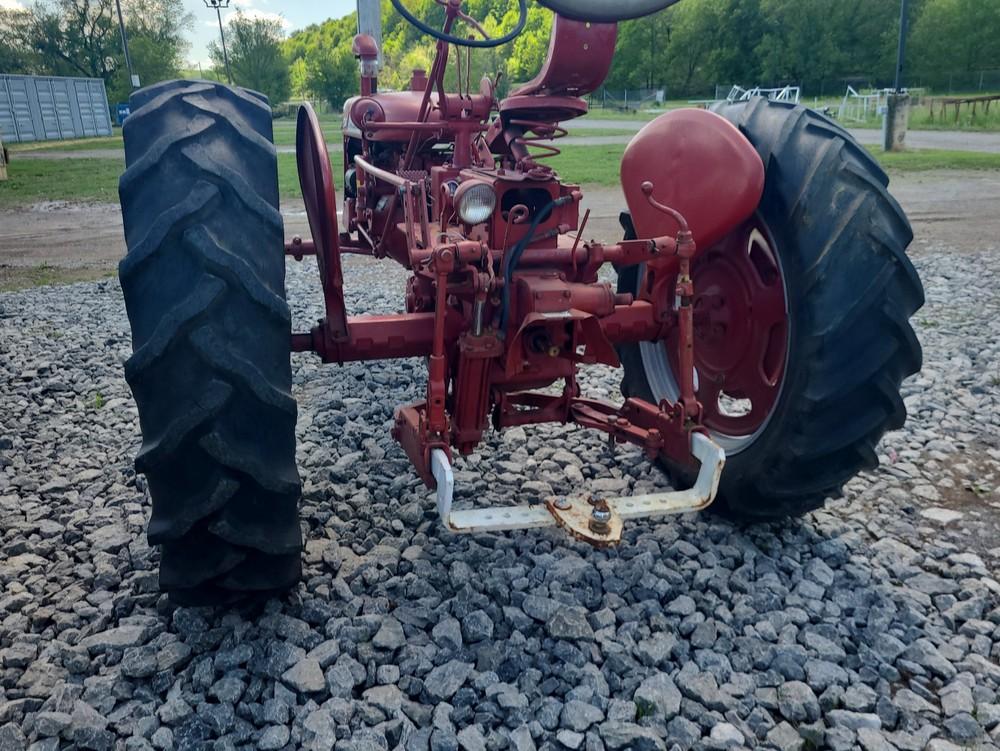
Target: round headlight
{"x": 475, "y": 202}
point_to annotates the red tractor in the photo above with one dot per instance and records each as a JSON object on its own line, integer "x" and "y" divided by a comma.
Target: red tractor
{"x": 761, "y": 314}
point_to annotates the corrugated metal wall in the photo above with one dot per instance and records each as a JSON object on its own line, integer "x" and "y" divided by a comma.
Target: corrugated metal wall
{"x": 45, "y": 108}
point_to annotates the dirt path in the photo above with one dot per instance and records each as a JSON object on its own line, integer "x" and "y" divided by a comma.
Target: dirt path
{"x": 56, "y": 241}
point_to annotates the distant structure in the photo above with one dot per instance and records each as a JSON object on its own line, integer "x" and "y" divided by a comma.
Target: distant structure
{"x": 48, "y": 108}
{"x": 783, "y": 94}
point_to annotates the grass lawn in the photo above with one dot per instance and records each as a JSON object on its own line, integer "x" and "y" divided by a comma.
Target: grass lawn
{"x": 586, "y": 132}
{"x": 596, "y": 113}
{"x": 33, "y": 180}
{"x": 76, "y": 144}
{"x": 25, "y": 277}
{"x": 920, "y": 116}
{"x": 921, "y": 160}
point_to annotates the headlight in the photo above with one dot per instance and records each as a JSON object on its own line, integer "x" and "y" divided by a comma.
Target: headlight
{"x": 475, "y": 202}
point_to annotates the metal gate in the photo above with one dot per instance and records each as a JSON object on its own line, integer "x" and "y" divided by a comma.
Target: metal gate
{"x": 46, "y": 108}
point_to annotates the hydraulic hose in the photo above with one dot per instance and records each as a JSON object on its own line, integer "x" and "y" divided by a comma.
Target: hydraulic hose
{"x": 511, "y": 260}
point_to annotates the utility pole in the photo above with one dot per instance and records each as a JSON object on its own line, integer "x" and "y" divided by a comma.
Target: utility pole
{"x": 901, "y": 49}
{"x": 219, "y": 5}
{"x": 133, "y": 78}
{"x": 897, "y": 105}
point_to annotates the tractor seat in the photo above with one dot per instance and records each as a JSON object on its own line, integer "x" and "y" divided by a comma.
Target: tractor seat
{"x": 578, "y": 61}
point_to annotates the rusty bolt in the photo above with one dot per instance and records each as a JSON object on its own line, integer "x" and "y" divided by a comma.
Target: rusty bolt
{"x": 562, "y": 503}
{"x": 600, "y": 518}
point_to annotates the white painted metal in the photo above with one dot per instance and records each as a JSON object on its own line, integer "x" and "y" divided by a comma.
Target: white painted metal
{"x": 537, "y": 516}
{"x": 784, "y": 94}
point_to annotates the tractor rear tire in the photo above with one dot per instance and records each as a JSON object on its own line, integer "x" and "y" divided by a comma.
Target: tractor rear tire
{"x": 850, "y": 290}
{"x": 204, "y": 285}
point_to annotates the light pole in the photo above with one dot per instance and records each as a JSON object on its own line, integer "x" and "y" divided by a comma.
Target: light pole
{"x": 897, "y": 106}
{"x": 901, "y": 51}
{"x": 219, "y": 5}
{"x": 133, "y": 78}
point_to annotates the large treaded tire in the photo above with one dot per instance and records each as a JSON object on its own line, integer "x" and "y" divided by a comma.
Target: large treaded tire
{"x": 204, "y": 284}
{"x": 841, "y": 239}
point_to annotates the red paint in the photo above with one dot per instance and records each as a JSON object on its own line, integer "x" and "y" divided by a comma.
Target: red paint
{"x": 700, "y": 165}
{"x": 740, "y": 329}
{"x": 700, "y": 171}
{"x": 319, "y": 196}
{"x": 578, "y": 60}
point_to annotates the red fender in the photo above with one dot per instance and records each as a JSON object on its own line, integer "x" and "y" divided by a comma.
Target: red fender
{"x": 700, "y": 165}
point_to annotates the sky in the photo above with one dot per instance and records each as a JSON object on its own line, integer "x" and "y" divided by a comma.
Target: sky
{"x": 293, "y": 14}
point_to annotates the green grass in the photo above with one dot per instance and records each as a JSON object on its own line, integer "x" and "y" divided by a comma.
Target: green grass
{"x": 96, "y": 180}
{"x": 920, "y": 116}
{"x": 13, "y": 278}
{"x": 596, "y": 113}
{"x": 284, "y": 129}
{"x": 76, "y": 144}
{"x": 593, "y": 165}
{"x": 598, "y": 165}
{"x": 585, "y": 132}
{"x": 922, "y": 160}
{"x": 32, "y": 180}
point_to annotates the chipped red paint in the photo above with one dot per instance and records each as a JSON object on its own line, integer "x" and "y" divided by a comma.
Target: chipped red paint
{"x": 491, "y": 344}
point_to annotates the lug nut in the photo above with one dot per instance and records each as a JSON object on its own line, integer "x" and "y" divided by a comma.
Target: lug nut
{"x": 600, "y": 518}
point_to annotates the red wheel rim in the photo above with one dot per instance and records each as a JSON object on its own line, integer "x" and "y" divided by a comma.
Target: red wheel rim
{"x": 319, "y": 197}
{"x": 316, "y": 181}
{"x": 740, "y": 330}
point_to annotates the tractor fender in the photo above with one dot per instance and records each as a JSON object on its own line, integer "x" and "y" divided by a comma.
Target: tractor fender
{"x": 700, "y": 165}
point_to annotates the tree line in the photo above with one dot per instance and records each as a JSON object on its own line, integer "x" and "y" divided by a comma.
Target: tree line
{"x": 690, "y": 47}
{"x": 81, "y": 38}
{"x": 685, "y": 50}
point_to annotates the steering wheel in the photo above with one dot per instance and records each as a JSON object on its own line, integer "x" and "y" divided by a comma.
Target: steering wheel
{"x": 602, "y": 11}
{"x": 485, "y": 42}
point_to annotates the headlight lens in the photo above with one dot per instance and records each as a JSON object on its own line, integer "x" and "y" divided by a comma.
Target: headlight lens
{"x": 475, "y": 202}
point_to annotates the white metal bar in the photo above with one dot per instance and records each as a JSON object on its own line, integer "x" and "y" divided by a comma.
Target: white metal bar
{"x": 536, "y": 516}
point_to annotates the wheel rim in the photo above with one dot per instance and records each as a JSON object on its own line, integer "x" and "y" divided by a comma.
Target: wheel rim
{"x": 740, "y": 338}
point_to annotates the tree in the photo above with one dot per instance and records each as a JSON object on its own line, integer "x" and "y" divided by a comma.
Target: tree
{"x": 156, "y": 43}
{"x": 333, "y": 75}
{"x": 321, "y": 59}
{"x": 956, "y": 35}
{"x": 81, "y": 38}
{"x": 688, "y": 48}
{"x": 255, "y": 56}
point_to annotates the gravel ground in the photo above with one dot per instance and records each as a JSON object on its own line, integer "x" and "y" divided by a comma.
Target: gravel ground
{"x": 874, "y": 624}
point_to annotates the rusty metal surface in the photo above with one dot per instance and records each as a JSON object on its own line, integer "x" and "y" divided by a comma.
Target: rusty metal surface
{"x": 577, "y": 518}
{"x": 576, "y": 514}
{"x": 514, "y": 304}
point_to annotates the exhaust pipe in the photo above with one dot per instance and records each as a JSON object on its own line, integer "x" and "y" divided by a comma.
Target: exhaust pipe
{"x": 370, "y": 23}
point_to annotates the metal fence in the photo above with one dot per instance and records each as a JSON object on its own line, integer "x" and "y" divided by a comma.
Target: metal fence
{"x": 624, "y": 100}
{"x": 46, "y": 108}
